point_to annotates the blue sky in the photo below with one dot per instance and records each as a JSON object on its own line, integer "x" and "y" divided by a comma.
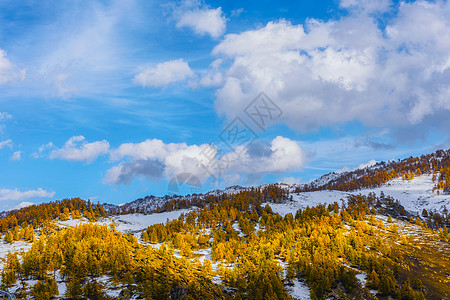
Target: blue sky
{"x": 110, "y": 100}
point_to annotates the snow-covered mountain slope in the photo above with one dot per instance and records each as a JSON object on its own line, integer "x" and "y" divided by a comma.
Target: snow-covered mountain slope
{"x": 414, "y": 195}
{"x": 302, "y": 200}
{"x": 150, "y": 204}
{"x": 229, "y": 190}
{"x": 354, "y": 174}
{"x": 130, "y": 223}
{"x": 18, "y": 246}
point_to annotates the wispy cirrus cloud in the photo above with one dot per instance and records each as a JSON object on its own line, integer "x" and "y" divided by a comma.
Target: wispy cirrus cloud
{"x": 8, "y": 71}
{"x": 6, "y": 143}
{"x": 73, "y": 48}
{"x": 16, "y": 156}
{"x": 5, "y": 116}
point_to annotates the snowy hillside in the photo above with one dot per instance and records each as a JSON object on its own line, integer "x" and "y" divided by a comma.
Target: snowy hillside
{"x": 354, "y": 174}
{"x": 415, "y": 195}
{"x": 131, "y": 223}
{"x": 150, "y": 204}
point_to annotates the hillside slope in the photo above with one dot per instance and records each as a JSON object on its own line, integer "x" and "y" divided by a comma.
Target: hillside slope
{"x": 414, "y": 195}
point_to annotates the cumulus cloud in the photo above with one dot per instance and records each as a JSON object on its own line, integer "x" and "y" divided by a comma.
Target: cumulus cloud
{"x": 204, "y": 21}
{"x": 16, "y": 156}
{"x": 78, "y": 149}
{"x": 125, "y": 172}
{"x": 164, "y": 73}
{"x": 7, "y": 143}
{"x": 201, "y": 18}
{"x": 323, "y": 73}
{"x": 154, "y": 159}
{"x": 281, "y": 155}
{"x": 15, "y": 194}
{"x": 9, "y": 72}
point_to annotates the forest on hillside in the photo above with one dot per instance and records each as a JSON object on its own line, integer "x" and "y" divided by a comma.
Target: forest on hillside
{"x": 255, "y": 253}
{"x": 437, "y": 164}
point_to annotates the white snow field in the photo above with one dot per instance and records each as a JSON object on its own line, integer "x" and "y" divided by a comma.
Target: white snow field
{"x": 17, "y": 246}
{"x": 131, "y": 223}
{"x": 302, "y": 200}
{"x": 414, "y": 195}
{"x": 299, "y": 290}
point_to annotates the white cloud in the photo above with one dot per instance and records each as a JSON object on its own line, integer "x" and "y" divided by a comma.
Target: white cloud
{"x": 153, "y": 159}
{"x": 80, "y": 50}
{"x": 367, "y": 6}
{"x": 280, "y": 155}
{"x": 62, "y": 88}
{"x": 164, "y": 73}
{"x": 212, "y": 77}
{"x": 204, "y": 21}
{"x": 78, "y": 149}
{"x": 237, "y": 12}
{"x": 5, "y": 116}
{"x": 324, "y": 73}
{"x": 42, "y": 149}
{"x": 9, "y": 72}
{"x": 148, "y": 149}
{"x": 7, "y": 143}
{"x": 16, "y": 156}
{"x": 15, "y": 194}
{"x": 23, "y": 204}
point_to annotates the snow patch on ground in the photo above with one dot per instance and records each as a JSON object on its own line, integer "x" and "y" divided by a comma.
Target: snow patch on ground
{"x": 299, "y": 290}
{"x": 302, "y": 200}
{"x": 414, "y": 195}
{"x": 205, "y": 254}
{"x": 17, "y": 246}
{"x": 131, "y": 223}
{"x": 362, "y": 278}
{"x": 62, "y": 288}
